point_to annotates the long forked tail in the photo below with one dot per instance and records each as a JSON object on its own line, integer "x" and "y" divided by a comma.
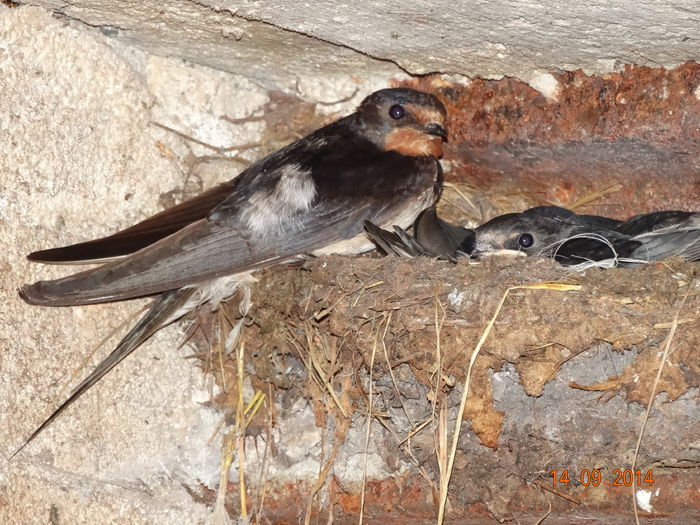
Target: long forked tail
{"x": 160, "y": 313}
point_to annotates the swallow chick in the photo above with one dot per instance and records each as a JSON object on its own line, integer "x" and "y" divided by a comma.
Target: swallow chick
{"x": 378, "y": 164}
{"x": 431, "y": 237}
{"x": 550, "y": 231}
{"x": 587, "y": 240}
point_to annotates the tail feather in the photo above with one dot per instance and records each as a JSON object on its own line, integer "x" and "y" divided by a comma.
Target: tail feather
{"x": 163, "y": 311}
{"x": 684, "y": 244}
{"x": 411, "y": 244}
{"x": 389, "y": 242}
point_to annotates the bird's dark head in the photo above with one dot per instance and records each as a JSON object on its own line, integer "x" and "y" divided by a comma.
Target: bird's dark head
{"x": 519, "y": 233}
{"x": 404, "y": 120}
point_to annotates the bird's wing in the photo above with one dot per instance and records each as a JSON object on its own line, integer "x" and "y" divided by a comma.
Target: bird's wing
{"x": 567, "y": 216}
{"x": 553, "y": 212}
{"x": 390, "y": 242}
{"x": 433, "y": 238}
{"x": 138, "y": 236}
{"x": 683, "y": 243}
{"x": 463, "y": 240}
{"x": 588, "y": 244}
{"x": 442, "y": 238}
{"x": 661, "y": 223}
{"x": 199, "y": 252}
{"x": 665, "y": 234}
{"x": 412, "y": 245}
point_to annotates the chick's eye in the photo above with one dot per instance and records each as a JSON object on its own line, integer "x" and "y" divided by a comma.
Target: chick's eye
{"x": 396, "y": 111}
{"x": 526, "y": 240}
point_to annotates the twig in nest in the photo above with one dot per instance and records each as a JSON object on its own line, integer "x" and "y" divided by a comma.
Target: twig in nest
{"x": 367, "y": 287}
{"x": 323, "y": 475}
{"x": 467, "y": 380}
{"x": 660, "y": 326}
{"x": 439, "y": 433}
{"x": 556, "y": 492}
{"x": 323, "y": 312}
{"x": 236, "y": 436}
{"x": 320, "y": 373}
{"x": 562, "y": 363}
{"x": 416, "y": 430}
{"x": 241, "y": 120}
{"x": 591, "y": 197}
{"x": 221, "y": 423}
{"x": 549, "y": 511}
{"x": 369, "y": 411}
{"x": 240, "y": 147}
{"x": 262, "y": 482}
{"x": 440, "y": 438}
{"x": 453, "y": 187}
{"x": 393, "y": 377}
{"x": 438, "y": 352}
{"x": 316, "y": 371}
{"x": 223, "y": 329}
{"x": 219, "y": 514}
{"x": 652, "y": 395}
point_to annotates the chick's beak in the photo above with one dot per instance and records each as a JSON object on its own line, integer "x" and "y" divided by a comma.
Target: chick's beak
{"x": 433, "y": 128}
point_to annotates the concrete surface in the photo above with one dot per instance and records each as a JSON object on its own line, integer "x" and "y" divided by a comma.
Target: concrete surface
{"x": 80, "y": 159}
{"x": 288, "y": 43}
{"x": 206, "y": 34}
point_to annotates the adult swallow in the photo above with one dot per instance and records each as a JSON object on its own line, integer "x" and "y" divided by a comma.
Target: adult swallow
{"x": 574, "y": 239}
{"x": 379, "y": 163}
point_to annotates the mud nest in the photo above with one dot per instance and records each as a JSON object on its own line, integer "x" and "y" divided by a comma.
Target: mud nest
{"x": 340, "y": 331}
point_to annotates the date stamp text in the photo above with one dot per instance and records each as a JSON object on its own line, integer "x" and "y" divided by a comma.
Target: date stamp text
{"x": 594, "y": 477}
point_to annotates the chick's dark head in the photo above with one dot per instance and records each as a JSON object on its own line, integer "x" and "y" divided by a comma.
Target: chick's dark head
{"x": 519, "y": 233}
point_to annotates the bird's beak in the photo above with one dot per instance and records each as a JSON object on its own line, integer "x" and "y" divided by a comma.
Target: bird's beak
{"x": 433, "y": 128}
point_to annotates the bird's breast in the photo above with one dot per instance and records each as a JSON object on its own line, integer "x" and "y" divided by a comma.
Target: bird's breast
{"x": 401, "y": 214}
{"x": 413, "y": 143}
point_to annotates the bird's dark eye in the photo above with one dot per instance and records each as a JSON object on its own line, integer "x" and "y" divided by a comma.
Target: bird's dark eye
{"x": 396, "y": 111}
{"x": 526, "y": 240}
